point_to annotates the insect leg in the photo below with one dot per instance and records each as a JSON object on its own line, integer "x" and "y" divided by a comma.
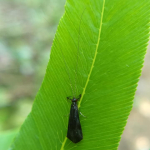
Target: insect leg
{"x": 82, "y": 114}
{"x": 69, "y": 98}
{"x": 79, "y": 97}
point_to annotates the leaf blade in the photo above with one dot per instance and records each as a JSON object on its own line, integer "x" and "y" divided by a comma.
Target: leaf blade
{"x": 107, "y": 88}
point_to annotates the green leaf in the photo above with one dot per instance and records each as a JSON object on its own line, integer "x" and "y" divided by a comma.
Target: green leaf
{"x": 113, "y": 37}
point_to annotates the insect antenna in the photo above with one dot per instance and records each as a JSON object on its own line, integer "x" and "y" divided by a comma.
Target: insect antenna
{"x": 67, "y": 68}
{"x": 76, "y": 89}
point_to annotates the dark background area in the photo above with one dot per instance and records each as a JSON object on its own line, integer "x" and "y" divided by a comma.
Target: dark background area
{"x": 27, "y": 30}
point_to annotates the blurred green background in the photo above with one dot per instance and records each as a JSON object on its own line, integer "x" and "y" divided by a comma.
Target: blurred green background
{"x": 27, "y": 30}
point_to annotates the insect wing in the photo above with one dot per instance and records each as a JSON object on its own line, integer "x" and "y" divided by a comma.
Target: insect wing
{"x": 74, "y": 127}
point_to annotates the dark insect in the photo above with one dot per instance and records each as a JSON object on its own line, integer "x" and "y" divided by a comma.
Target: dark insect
{"x": 74, "y": 127}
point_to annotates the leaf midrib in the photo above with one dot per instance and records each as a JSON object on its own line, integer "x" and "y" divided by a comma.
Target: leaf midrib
{"x": 92, "y": 66}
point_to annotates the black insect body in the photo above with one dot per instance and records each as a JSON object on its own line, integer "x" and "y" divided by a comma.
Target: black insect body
{"x": 74, "y": 127}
